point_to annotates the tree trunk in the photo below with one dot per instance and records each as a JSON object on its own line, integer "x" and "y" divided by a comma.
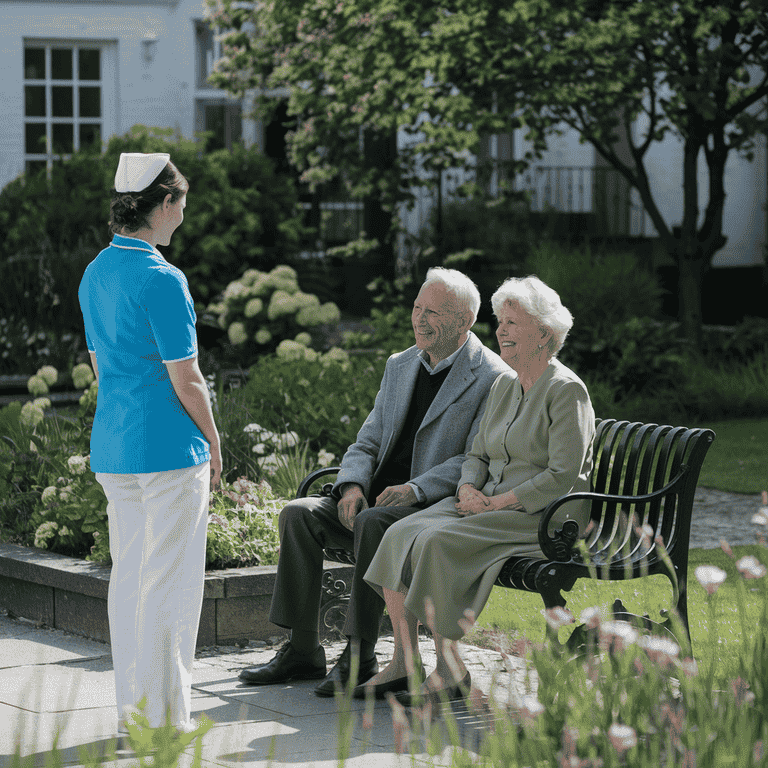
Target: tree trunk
{"x": 691, "y": 276}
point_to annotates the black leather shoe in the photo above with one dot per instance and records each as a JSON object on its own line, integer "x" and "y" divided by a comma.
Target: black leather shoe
{"x": 453, "y": 692}
{"x": 338, "y": 678}
{"x": 287, "y": 665}
{"x": 378, "y": 690}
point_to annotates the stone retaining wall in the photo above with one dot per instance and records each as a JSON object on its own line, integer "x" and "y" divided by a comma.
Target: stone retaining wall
{"x": 70, "y": 594}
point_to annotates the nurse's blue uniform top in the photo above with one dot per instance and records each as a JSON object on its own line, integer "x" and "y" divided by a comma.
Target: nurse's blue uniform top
{"x": 138, "y": 315}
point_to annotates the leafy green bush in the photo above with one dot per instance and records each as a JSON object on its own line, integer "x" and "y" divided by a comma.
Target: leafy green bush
{"x": 261, "y": 310}
{"x": 325, "y": 401}
{"x": 239, "y": 212}
{"x": 242, "y": 525}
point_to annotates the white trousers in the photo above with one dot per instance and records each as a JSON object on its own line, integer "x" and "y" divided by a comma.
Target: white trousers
{"x": 157, "y": 534}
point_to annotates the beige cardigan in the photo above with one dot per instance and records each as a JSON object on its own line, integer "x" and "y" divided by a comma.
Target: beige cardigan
{"x": 537, "y": 444}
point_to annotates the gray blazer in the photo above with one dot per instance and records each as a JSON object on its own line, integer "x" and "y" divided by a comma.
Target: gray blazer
{"x": 447, "y": 431}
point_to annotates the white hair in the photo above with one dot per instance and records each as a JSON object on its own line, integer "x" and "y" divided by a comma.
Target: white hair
{"x": 538, "y": 300}
{"x": 458, "y": 284}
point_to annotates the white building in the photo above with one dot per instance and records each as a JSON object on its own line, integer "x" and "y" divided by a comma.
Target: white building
{"x": 75, "y": 73}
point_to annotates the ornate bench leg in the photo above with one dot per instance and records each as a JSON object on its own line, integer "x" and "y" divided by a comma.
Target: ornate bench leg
{"x": 333, "y": 604}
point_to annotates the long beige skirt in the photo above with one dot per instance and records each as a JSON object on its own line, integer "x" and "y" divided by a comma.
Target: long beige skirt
{"x": 451, "y": 559}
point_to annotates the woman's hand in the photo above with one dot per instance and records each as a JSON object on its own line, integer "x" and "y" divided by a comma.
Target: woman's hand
{"x": 471, "y": 501}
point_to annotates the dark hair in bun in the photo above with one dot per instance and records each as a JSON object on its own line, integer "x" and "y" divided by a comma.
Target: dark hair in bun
{"x": 130, "y": 211}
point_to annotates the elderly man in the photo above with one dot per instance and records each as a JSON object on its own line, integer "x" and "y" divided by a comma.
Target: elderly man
{"x": 408, "y": 455}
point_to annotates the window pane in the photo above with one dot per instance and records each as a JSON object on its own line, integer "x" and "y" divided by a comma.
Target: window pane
{"x": 89, "y": 64}
{"x": 62, "y": 101}
{"x": 204, "y": 44}
{"x": 34, "y": 138}
{"x": 34, "y": 100}
{"x": 63, "y": 138}
{"x": 34, "y": 63}
{"x": 61, "y": 63}
{"x": 90, "y": 101}
{"x": 90, "y": 136}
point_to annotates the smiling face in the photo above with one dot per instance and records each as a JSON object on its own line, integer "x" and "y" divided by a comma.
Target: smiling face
{"x": 521, "y": 339}
{"x": 439, "y": 324}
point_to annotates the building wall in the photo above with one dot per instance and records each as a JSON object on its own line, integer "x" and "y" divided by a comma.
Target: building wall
{"x": 149, "y": 63}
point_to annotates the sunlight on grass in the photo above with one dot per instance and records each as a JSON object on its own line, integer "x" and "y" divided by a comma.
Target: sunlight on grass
{"x": 519, "y": 613}
{"x": 738, "y": 458}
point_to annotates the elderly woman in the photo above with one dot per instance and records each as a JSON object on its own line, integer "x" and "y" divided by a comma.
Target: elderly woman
{"x": 154, "y": 444}
{"x": 533, "y": 446}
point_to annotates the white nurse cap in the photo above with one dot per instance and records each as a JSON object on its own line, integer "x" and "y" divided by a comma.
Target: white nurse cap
{"x": 136, "y": 170}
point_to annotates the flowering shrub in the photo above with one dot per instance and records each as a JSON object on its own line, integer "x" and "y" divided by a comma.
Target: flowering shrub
{"x": 242, "y": 525}
{"x": 263, "y": 308}
{"x": 324, "y": 398}
{"x": 71, "y": 516}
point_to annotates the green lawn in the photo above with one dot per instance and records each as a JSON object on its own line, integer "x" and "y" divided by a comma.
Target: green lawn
{"x": 738, "y": 459}
{"x": 519, "y": 613}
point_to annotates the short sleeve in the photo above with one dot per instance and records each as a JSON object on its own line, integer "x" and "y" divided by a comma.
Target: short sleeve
{"x": 171, "y": 315}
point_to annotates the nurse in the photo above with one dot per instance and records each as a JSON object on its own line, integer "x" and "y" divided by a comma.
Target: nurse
{"x": 154, "y": 445}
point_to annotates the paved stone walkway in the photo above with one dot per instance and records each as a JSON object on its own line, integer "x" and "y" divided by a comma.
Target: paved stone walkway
{"x": 719, "y": 515}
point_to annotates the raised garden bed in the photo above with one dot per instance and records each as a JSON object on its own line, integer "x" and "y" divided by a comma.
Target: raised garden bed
{"x": 71, "y": 595}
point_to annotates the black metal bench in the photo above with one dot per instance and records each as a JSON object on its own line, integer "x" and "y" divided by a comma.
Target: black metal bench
{"x": 643, "y": 475}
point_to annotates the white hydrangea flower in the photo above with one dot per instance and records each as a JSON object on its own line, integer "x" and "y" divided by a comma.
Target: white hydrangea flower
{"x": 259, "y": 448}
{"x": 253, "y": 307}
{"x": 234, "y": 289}
{"x": 77, "y": 465}
{"x": 49, "y": 494}
{"x": 49, "y": 374}
{"x": 37, "y": 385}
{"x": 280, "y": 304}
{"x": 303, "y": 338}
{"x": 82, "y": 375}
{"x": 287, "y": 440}
{"x": 236, "y": 333}
{"x": 288, "y": 349}
{"x": 45, "y": 531}
{"x": 250, "y": 276}
{"x": 263, "y": 336}
{"x": 31, "y": 415}
{"x": 42, "y": 403}
{"x": 325, "y": 458}
{"x": 65, "y": 494}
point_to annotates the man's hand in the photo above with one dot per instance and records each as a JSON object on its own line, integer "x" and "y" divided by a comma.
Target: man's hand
{"x": 397, "y": 496}
{"x": 351, "y": 502}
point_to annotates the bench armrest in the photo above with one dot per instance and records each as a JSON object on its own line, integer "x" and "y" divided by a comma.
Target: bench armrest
{"x": 560, "y": 546}
{"x": 306, "y": 483}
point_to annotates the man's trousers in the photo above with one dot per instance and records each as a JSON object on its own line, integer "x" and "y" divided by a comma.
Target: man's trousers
{"x": 309, "y": 525}
{"x": 157, "y": 536}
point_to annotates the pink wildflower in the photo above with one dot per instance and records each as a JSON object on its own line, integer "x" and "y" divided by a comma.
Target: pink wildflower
{"x": 750, "y": 567}
{"x": 710, "y": 577}
{"x": 558, "y": 617}
{"x": 623, "y": 737}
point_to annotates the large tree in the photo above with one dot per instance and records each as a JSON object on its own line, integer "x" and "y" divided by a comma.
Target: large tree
{"x": 625, "y": 74}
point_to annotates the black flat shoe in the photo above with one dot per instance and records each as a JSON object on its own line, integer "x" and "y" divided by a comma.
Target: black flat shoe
{"x": 453, "y": 692}
{"x": 379, "y": 689}
{"x": 338, "y": 678}
{"x": 287, "y": 665}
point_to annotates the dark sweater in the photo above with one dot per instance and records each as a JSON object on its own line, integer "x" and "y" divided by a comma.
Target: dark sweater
{"x": 396, "y": 470}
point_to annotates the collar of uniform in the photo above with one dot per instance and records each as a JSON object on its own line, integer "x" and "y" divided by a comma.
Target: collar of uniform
{"x": 443, "y": 363}
{"x": 133, "y": 244}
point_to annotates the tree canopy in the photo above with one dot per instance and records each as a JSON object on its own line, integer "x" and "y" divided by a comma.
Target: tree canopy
{"x": 626, "y": 74}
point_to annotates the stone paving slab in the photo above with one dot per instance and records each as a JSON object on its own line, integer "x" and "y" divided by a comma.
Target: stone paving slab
{"x": 25, "y": 643}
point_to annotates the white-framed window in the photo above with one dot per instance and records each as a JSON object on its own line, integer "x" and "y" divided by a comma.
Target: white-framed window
{"x": 66, "y": 99}
{"x": 215, "y": 112}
